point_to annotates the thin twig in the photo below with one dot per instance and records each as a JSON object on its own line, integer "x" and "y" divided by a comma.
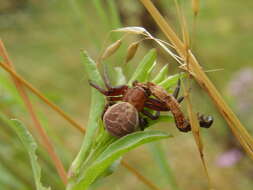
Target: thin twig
{"x": 45, "y": 139}
{"x": 195, "y": 69}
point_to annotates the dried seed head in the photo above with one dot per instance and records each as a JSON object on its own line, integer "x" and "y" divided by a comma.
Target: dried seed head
{"x": 121, "y": 119}
{"x": 111, "y": 49}
{"x": 132, "y": 30}
{"x": 131, "y": 51}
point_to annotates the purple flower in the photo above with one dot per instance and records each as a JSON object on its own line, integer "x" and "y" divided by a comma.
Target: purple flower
{"x": 229, "y": 158}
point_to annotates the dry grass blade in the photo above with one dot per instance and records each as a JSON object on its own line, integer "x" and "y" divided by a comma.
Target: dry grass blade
{"x": 131, "y": 51}
{"x": 192, "y": 115}
{"x": 111, "y": 49}
{"x": 69, "y": 119}
{"x": 45, "y": 139}
{"x": 195, "y": 7}
{"x": 195, "y": 69}
{"x": 196, "y": 133}
{"x": 41, "y": 96}
{"x": 140, "y": 177}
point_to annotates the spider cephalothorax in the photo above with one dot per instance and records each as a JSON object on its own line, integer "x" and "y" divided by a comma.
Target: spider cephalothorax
{"x": 122, "y": 113}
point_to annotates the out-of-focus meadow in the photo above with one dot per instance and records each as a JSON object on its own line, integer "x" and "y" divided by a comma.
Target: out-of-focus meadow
{"x": 44, "y": 39}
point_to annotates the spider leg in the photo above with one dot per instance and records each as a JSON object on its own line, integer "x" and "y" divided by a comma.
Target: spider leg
{"x": 150, "y": 115}
{"x": 105, "y": 77}
{"x": 157, "y": 105}
{"x": 114, "y": 91}
{"x": 143, "y": 123}
{"x": 180, "y": 99}
{"x": 176, "y": 91}
{"x": 117, "y": 98}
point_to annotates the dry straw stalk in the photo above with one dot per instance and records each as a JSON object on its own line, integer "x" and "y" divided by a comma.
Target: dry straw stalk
{"x": 44, "y": 137}
{"x": 199, "y": 75}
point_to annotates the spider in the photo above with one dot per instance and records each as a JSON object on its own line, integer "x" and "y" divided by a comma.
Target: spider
{"x": 122, "y": 116}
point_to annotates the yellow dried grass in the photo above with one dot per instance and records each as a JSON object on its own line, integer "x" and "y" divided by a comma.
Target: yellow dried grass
{"x": 199, "y": 75}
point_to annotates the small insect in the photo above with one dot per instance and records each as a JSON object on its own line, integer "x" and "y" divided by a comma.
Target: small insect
{"x": 122, "y": 113}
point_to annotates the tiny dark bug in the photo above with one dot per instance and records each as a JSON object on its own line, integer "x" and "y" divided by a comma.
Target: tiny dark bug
{"x": 122, "y": 113}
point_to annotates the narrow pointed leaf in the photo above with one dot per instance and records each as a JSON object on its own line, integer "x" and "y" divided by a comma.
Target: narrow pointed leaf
{"x": 141, "y": 73}
{"x": 171, "y": 80}
{"x": 114, "y": 151}
{"x": 31, "y": 147}
{"x": 96, "y": 109}
{"x": 161, "y": 75}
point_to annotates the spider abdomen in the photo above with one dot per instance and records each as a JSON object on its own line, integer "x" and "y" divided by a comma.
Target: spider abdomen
{"x": 121, "y": 119}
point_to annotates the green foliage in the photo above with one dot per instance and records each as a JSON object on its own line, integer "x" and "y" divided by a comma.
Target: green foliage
{"x": 31, "y": 147}
{"x": 161, "y": 75}
{"x": 96, "y": 109}
{"x": 114, "y": 151}
{"x": 143, "y": 70}
{"x": 100, "y": 150}
{"x": 172, "y": 80}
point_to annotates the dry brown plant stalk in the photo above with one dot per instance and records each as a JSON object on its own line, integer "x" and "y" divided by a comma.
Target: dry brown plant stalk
{"x": 43, "y": 135}
{"x": 41, "y": 96}
{"x": 199, "y": 75}
{"x": 73, "y": 123}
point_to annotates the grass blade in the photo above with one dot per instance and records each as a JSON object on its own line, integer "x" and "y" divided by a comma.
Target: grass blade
{"x": 199, "y": 75}
{"x": 31, "y": 148}
{"x": 114, "y": 151}
{"x": 140, "y": 177}
{"x": 171, "y": 80}
{"x": 96, "y": 109}
{"x": 45, "y": 138}
{"x": 163, "y": 73}
{"x": 141, "y": 73}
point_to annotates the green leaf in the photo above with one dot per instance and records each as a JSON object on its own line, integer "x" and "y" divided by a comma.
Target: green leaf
{"x": 171, "y": 80}
{"x": 150, "y": 71}
{"x": 142, "y": 71}
{"x": 161, "y": 75}
{"x": 113, "y": 152}
{"x": 96, "y": 109}
{"x": 31, "y": 148}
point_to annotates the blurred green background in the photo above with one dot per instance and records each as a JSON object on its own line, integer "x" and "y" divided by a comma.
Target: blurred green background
{"x": 44, "y": 38}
